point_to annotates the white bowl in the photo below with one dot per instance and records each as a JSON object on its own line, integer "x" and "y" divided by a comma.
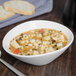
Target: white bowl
{"x": 41, "y": 59}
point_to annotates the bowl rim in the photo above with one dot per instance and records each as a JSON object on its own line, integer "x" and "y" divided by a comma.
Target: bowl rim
{"x": 39, "y": 54}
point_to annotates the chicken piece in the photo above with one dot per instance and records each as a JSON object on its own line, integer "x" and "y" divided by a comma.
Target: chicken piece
{"x": 15, "y": 44}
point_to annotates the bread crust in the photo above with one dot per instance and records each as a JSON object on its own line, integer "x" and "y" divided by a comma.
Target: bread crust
{"x": 6, "y": 17}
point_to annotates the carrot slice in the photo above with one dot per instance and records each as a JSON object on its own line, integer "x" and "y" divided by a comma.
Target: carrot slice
{"x": 42, "y": 31}
{"x": 16, "y": 51}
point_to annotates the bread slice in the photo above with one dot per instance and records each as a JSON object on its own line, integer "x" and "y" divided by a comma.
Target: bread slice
{"x": 5, "y": 14}
{"x": 20, "y": 7}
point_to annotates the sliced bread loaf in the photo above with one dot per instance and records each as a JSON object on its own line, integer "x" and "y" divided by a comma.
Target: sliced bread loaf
{"x": 20, "y": 7}
{"x": 5, "y": 14}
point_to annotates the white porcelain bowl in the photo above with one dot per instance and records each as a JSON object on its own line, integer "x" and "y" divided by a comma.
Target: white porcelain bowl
{"x": 41, "y": 59}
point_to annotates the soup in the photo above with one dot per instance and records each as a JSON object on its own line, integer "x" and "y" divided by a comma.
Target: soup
{"x": 38, "y": 41}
